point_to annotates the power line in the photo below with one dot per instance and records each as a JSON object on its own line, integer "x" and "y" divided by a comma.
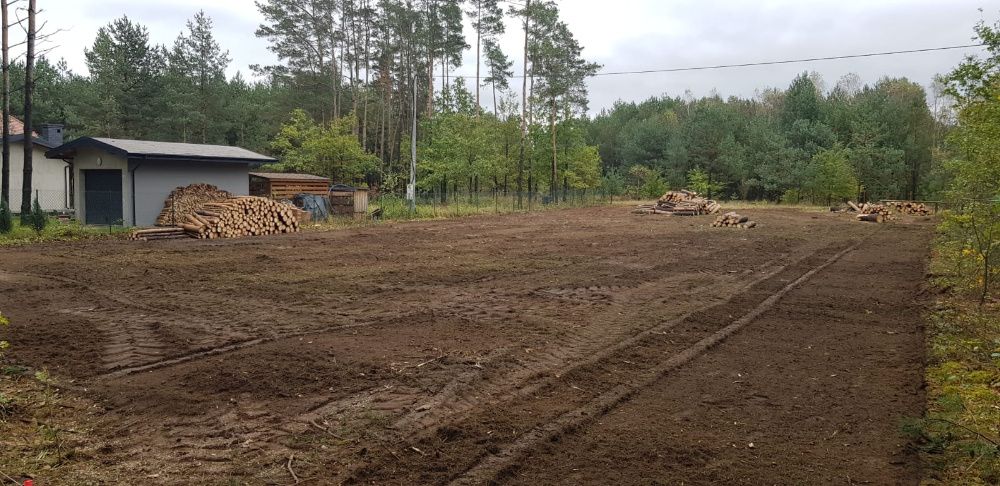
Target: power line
{"x": 788, "y": 61}
{"x": 766, "y": 63}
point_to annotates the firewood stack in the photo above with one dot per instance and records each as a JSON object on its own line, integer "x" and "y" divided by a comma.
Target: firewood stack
{"x": 231, "y": 218}
{"x": 910, "y": 207}
{"x": 241, "y": 216}
{"x": 184, "y": 200}
{"x": 873, "y": 213}
{"x": 733, "y": 220}
{"x": 680, "y": 203}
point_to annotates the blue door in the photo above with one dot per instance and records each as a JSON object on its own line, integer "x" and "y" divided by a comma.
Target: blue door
{"x": 102, "y": 196}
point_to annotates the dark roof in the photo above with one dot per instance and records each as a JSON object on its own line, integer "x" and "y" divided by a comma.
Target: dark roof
{"x": 159, "y": 150}
{"x": 287, "y": 176}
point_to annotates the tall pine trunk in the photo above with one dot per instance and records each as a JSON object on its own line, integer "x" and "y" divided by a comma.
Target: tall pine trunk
{"x": 524, "y": 107}
{"x": 479, "y": 36}
{"x": 29, "y": 81}
{"x": 5, "y": 101}
{"x": 555, "y": 152}
{"x": 364, "y": 119}
{"x": 335, "y": 73}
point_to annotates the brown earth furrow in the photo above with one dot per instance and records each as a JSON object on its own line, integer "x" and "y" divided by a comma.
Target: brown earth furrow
{"x": 489, "y": 468}
{"x": 464, "y": 336}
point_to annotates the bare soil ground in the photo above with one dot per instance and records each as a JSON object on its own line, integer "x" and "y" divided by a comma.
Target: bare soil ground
{"x": 586, "y": 346}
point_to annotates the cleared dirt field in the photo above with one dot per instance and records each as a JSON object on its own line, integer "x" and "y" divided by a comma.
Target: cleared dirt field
{"x": 586, "y": 346}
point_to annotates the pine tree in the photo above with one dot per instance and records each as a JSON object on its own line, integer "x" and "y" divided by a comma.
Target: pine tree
{"x": 29, "y": 60}
{"x": 126, "y": 72}
{"x": 197, "y": 73}
{"x": 37, "y": 219}
{"x": 487, "y": 21}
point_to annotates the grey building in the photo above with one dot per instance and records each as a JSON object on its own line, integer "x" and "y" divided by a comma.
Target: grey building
{"x": 127, "y": 181}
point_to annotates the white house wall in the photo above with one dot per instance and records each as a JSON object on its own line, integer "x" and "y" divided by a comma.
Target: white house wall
{"x": 48, "y": 178}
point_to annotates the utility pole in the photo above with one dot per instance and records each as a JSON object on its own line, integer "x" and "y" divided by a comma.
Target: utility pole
{"x": 411, "y": 188}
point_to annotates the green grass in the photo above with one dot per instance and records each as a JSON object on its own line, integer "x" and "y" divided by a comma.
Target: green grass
{"x": 56, "y": 231}
{"x": 960, "y": 433}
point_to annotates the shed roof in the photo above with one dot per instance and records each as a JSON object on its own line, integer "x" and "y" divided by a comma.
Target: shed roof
{"x": 288, "y": 176}
{"x": 159, "y": 150}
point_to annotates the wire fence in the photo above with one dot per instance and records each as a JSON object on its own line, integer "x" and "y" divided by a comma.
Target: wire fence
{"x": 437, "y": 205}
{"x": 116, "y": 209}
{"x": 51, "y": 200}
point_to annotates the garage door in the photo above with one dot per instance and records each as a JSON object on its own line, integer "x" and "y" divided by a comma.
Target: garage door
{"x": 102, "y": 196}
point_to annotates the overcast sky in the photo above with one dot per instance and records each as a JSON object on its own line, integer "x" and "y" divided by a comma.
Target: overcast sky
{"x": 625, "y": 35}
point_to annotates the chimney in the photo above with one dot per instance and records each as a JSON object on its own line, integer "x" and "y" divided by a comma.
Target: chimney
{"x": 51, "y": 132}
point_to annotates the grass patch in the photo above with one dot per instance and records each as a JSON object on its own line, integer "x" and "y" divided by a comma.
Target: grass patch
{"x": 43, "y": 435}
{"x": 960, "y": 434}
{"x": 57, "y": 230}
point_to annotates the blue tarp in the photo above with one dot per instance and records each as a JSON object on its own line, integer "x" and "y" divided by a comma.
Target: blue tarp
{"x": 318, "y": 206}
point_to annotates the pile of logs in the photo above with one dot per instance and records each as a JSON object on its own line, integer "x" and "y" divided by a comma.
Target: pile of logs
{"x": 910, "y": 207}
{"x": 184, "y": 200}
{"x": 231, "y": 218}
{"x": 873, "y": 213}
{"x": 241, "y": 216}
{"x": 680, "y": 203}
{"x": 734, "y": 220}
{"x": 159, "y": 234}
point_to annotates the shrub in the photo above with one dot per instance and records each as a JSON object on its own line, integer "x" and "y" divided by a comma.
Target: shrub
{"x": 6, "y": 218}
{"x": 701, "y": 182}
{"x": 4, "y": 345}
{"x": 38, "y": 219}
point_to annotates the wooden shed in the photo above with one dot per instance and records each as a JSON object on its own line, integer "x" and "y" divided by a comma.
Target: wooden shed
{"x": 277, "y": 185}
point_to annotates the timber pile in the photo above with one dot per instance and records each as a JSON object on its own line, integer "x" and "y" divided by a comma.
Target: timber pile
{"x": 175, "y": 233}
{"x": 231, "y": 218}
{"x": 734, "y": 220}
{"x": 873, "y": 213}
{"x": 185, "y": 200}
{"x": 241, "y": 216}
{"x": 910, "y": 207}
{"x": 680, "y": 203}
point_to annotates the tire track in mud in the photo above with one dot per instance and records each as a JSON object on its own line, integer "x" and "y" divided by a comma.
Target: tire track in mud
{"x": 134, "y": 345}
{"x": 491, "y": 467}
{"x": 470, "y": 390}
{"x": 460, "y": 395}
{"x": 502, "y": 452}
{"x": 559, "y": 359}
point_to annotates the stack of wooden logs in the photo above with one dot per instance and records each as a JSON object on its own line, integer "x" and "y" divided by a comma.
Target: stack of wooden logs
{"x": 184, "y": 200}
{"x": 873, "y": 213}
{"x": 680, "y": 203}
{"x": 231, "y": 218}
{"x": 910, "y": 207}
{"x": 159, "y": 234}
{"x": 733, "y": 220}
{"x": 241, "y": 216}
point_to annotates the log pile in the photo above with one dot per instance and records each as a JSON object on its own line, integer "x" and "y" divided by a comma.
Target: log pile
{"x": 241, "y": 216}
{"x": 733, "y": 220}
{"x": 173, "y": 233}
{"x": 680, "y": 203}
{"x": 910, "y": 207}
{"x": 182, "y": 201}
{"x": 873, "y": 213}
{"x": 231, "y": 218}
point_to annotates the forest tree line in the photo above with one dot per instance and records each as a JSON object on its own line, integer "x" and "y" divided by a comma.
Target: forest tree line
{"x": 353, "y": 74}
